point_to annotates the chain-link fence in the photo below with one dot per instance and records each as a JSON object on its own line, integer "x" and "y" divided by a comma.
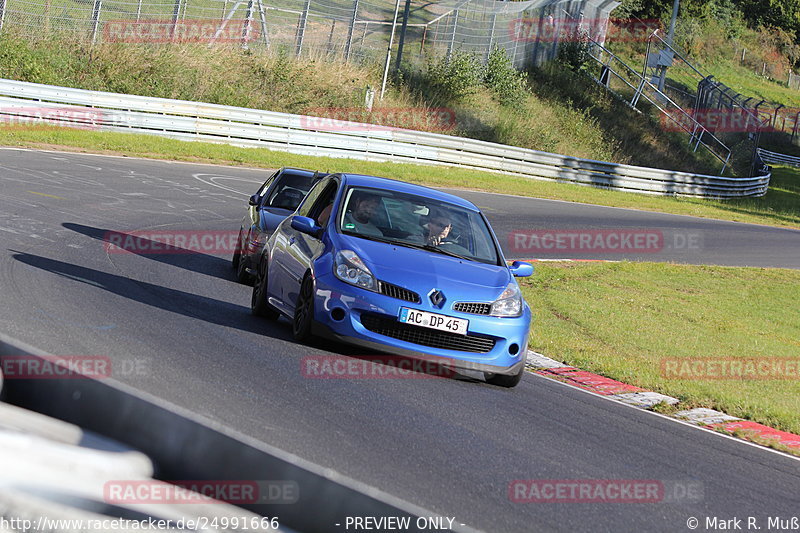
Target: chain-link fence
{"x": 349, "y": 29}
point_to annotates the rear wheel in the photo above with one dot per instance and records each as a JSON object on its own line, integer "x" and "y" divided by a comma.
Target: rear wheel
{"x": 259, "y": 305}
{"x": 240, "y": 264}
{"x": 304, "y": 311}
{"x": 237, "y": 253}
{"x": 502, "y": 380}
{"x": 242, "y": 275}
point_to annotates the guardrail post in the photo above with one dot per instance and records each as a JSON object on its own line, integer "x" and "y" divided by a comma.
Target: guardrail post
{"x": 330, "y": 36}
{"x": 248, "y": 23}
{"x": 2, "y": 13}
{"x": 403, "y": 29}
{"x": 301, "y": 29}
{"x": 491, "y": 37}
{"x": 263, "y": 16}
{"x": 348, "y": 45}
{"x": 452, "y": 42}
{"x": 176, "y": 12}
{"x": 98, "y": 6}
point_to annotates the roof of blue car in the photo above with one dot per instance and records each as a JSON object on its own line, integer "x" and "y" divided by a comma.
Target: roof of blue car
{"x": 360, "y": 180}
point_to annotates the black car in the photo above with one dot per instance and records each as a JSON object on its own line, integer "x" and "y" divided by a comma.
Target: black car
{"x": 275, "y": 200}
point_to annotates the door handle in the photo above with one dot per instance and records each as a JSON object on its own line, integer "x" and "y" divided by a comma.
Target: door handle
{"x": 292, "y": 239}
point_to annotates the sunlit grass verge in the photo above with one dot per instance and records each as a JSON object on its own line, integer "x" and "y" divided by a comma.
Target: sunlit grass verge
{"x": 780, "y": 207}
{"x": 622, "y": 320}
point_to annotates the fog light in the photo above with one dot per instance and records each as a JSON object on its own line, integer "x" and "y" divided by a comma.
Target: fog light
{"x": 337, "y": 314}
{"x": 513, "y": 349}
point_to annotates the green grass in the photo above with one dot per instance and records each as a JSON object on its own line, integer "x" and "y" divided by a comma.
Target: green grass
{"x": 780, "y": 207}
{"x": 622, "y": 320}
{"x": 742, "y": 79}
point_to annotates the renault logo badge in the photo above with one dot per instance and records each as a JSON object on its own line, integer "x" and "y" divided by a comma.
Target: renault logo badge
{"x": 437, "y": 298}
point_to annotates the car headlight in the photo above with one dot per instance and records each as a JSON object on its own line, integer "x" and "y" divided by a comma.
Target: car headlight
{"x": 509, "y": 303}
{"x": 349, "y": 268}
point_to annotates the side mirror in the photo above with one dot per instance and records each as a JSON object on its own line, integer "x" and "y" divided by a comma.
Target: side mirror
{"x": 520, "y": 269}
{"x": 254, "y": 200}
{"x": 306, "y": 225}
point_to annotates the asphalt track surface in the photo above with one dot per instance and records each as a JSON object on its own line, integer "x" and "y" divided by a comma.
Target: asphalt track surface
{"x": 179, "y": 327}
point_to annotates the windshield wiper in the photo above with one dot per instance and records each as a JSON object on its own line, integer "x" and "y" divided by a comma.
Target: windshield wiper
{"x": 432, "y": 248}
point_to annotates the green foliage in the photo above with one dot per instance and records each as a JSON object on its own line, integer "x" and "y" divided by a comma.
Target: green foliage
{"x": 506, "y": 81}
{"x": 455, "y": 78}
{"x": 732, "y": 15}
{"x": 573, "y": 52}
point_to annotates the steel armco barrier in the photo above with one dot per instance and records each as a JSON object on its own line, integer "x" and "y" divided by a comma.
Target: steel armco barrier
{"x": 778, "y": 159}
{"x": 22, "y": 101}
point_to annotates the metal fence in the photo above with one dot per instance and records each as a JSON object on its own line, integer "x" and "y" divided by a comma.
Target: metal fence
{"x": 776, "y": 158}
{"x": 33, "y": 103}
{"x": 350, "y": 29}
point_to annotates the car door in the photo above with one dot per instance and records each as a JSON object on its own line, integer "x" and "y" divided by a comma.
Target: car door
{"x": 286, "y": 257}
{"x": 304, "y": 249}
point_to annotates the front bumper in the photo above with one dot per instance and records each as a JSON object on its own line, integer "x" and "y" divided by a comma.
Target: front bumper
{"x": 348, "y": 314}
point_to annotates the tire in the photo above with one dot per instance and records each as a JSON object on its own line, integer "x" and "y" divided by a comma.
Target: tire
{"x": 242, "y": 276}
{"x": 259, "y": 305}
{"x": 240, "y": 264}
{"x": 304, "y": 311}
{"x": 502, "y": 380}
{"x": 237, "y": 253}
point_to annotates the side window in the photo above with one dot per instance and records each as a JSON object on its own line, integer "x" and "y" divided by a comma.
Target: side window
{"x": 482, "y": 246}
{"x": 321, "y": 212}
{"x": 262, "y": 191}
{"x": 312, "y": 197}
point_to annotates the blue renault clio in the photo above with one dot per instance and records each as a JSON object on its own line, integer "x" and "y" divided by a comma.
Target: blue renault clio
{"x": 399, "y": 268}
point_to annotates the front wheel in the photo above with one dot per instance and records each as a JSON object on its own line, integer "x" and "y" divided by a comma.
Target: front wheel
{"x": 259, "y": 305}
{"x": 502, "y": 380}
{"x": 304, "y": 311}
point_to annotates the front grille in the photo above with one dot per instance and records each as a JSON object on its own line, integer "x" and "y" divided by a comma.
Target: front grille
{"x": 475, "y": 308}
{"x": 390, "y": 327}
{"x": 395, "y": 291}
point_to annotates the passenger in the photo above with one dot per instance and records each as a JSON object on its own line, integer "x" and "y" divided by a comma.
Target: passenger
{"x": 361, "y": 209}
{"x": 438, "y": 227}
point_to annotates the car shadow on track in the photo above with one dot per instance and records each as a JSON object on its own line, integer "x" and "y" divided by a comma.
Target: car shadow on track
{"x": 211, "y": 265}
{"x": 173, "y": 300}
{"x": 234, "y": 316}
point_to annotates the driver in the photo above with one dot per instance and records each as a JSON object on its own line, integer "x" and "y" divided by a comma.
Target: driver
{"x": 361, "y": 209}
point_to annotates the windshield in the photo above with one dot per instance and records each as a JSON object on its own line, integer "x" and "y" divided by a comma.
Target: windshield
{"x": 290, "y": 190}
{"x": 418, "y": 222}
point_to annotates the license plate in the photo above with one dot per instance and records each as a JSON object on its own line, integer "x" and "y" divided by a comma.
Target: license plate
{"x": 433, "y": 321}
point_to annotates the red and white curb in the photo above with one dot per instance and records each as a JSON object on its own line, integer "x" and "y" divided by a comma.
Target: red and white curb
{"x": 638, "y": 397}
{"x": 616, "y": 390}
